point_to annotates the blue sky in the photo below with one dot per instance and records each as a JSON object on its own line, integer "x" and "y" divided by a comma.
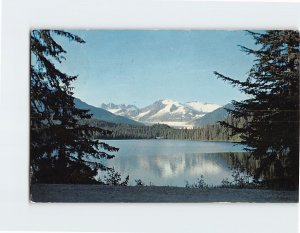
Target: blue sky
{"x": 142, "y": 66}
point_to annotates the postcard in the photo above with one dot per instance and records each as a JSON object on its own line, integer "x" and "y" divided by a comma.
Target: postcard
{"x": 164, "y": 116}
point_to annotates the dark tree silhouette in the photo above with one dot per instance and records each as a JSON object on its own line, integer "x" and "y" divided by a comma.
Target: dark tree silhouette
{"x": 61, "y": 146}
{"x": 272, "y": 109}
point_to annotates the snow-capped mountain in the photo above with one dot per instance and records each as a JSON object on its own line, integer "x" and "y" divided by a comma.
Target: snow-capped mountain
{"x": 121, "y": 109}
{"x": 166, "y": 111}
{"x": 202, "y": 107}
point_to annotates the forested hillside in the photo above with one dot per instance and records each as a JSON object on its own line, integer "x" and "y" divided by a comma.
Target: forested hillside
{"x": 214, "y": 132}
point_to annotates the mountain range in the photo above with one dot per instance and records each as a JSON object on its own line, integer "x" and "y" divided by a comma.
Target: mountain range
{"x": 170, "y": 112}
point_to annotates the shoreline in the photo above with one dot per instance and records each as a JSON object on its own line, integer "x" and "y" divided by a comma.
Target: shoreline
{"x": 93, "y": 193}
{"x": 126, "y": 139}
{"x": 168, "y": 139}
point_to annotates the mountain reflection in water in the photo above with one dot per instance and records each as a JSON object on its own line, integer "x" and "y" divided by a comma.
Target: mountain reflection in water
{"x": 157, "y": 163}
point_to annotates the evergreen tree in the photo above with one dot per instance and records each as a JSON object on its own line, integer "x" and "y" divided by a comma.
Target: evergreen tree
{"x": 61, "y": 146}
{"x": 271, "y": 112}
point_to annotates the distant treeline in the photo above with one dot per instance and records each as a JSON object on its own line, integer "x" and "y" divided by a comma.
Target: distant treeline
{"x": 214, "y": 132}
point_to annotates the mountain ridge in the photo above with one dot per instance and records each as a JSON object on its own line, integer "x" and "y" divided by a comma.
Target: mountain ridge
{"x": 104, "y": 115}
{"x": 214, "y": 116}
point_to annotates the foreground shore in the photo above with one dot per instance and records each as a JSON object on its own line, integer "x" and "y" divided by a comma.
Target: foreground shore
{"x": 100, "y": 193}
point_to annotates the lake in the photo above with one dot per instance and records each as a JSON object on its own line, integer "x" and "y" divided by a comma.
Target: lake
{"x": 174, "y": 162}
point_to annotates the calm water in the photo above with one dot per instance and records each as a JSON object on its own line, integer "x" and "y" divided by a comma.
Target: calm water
{"x": 173, "y": 162}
